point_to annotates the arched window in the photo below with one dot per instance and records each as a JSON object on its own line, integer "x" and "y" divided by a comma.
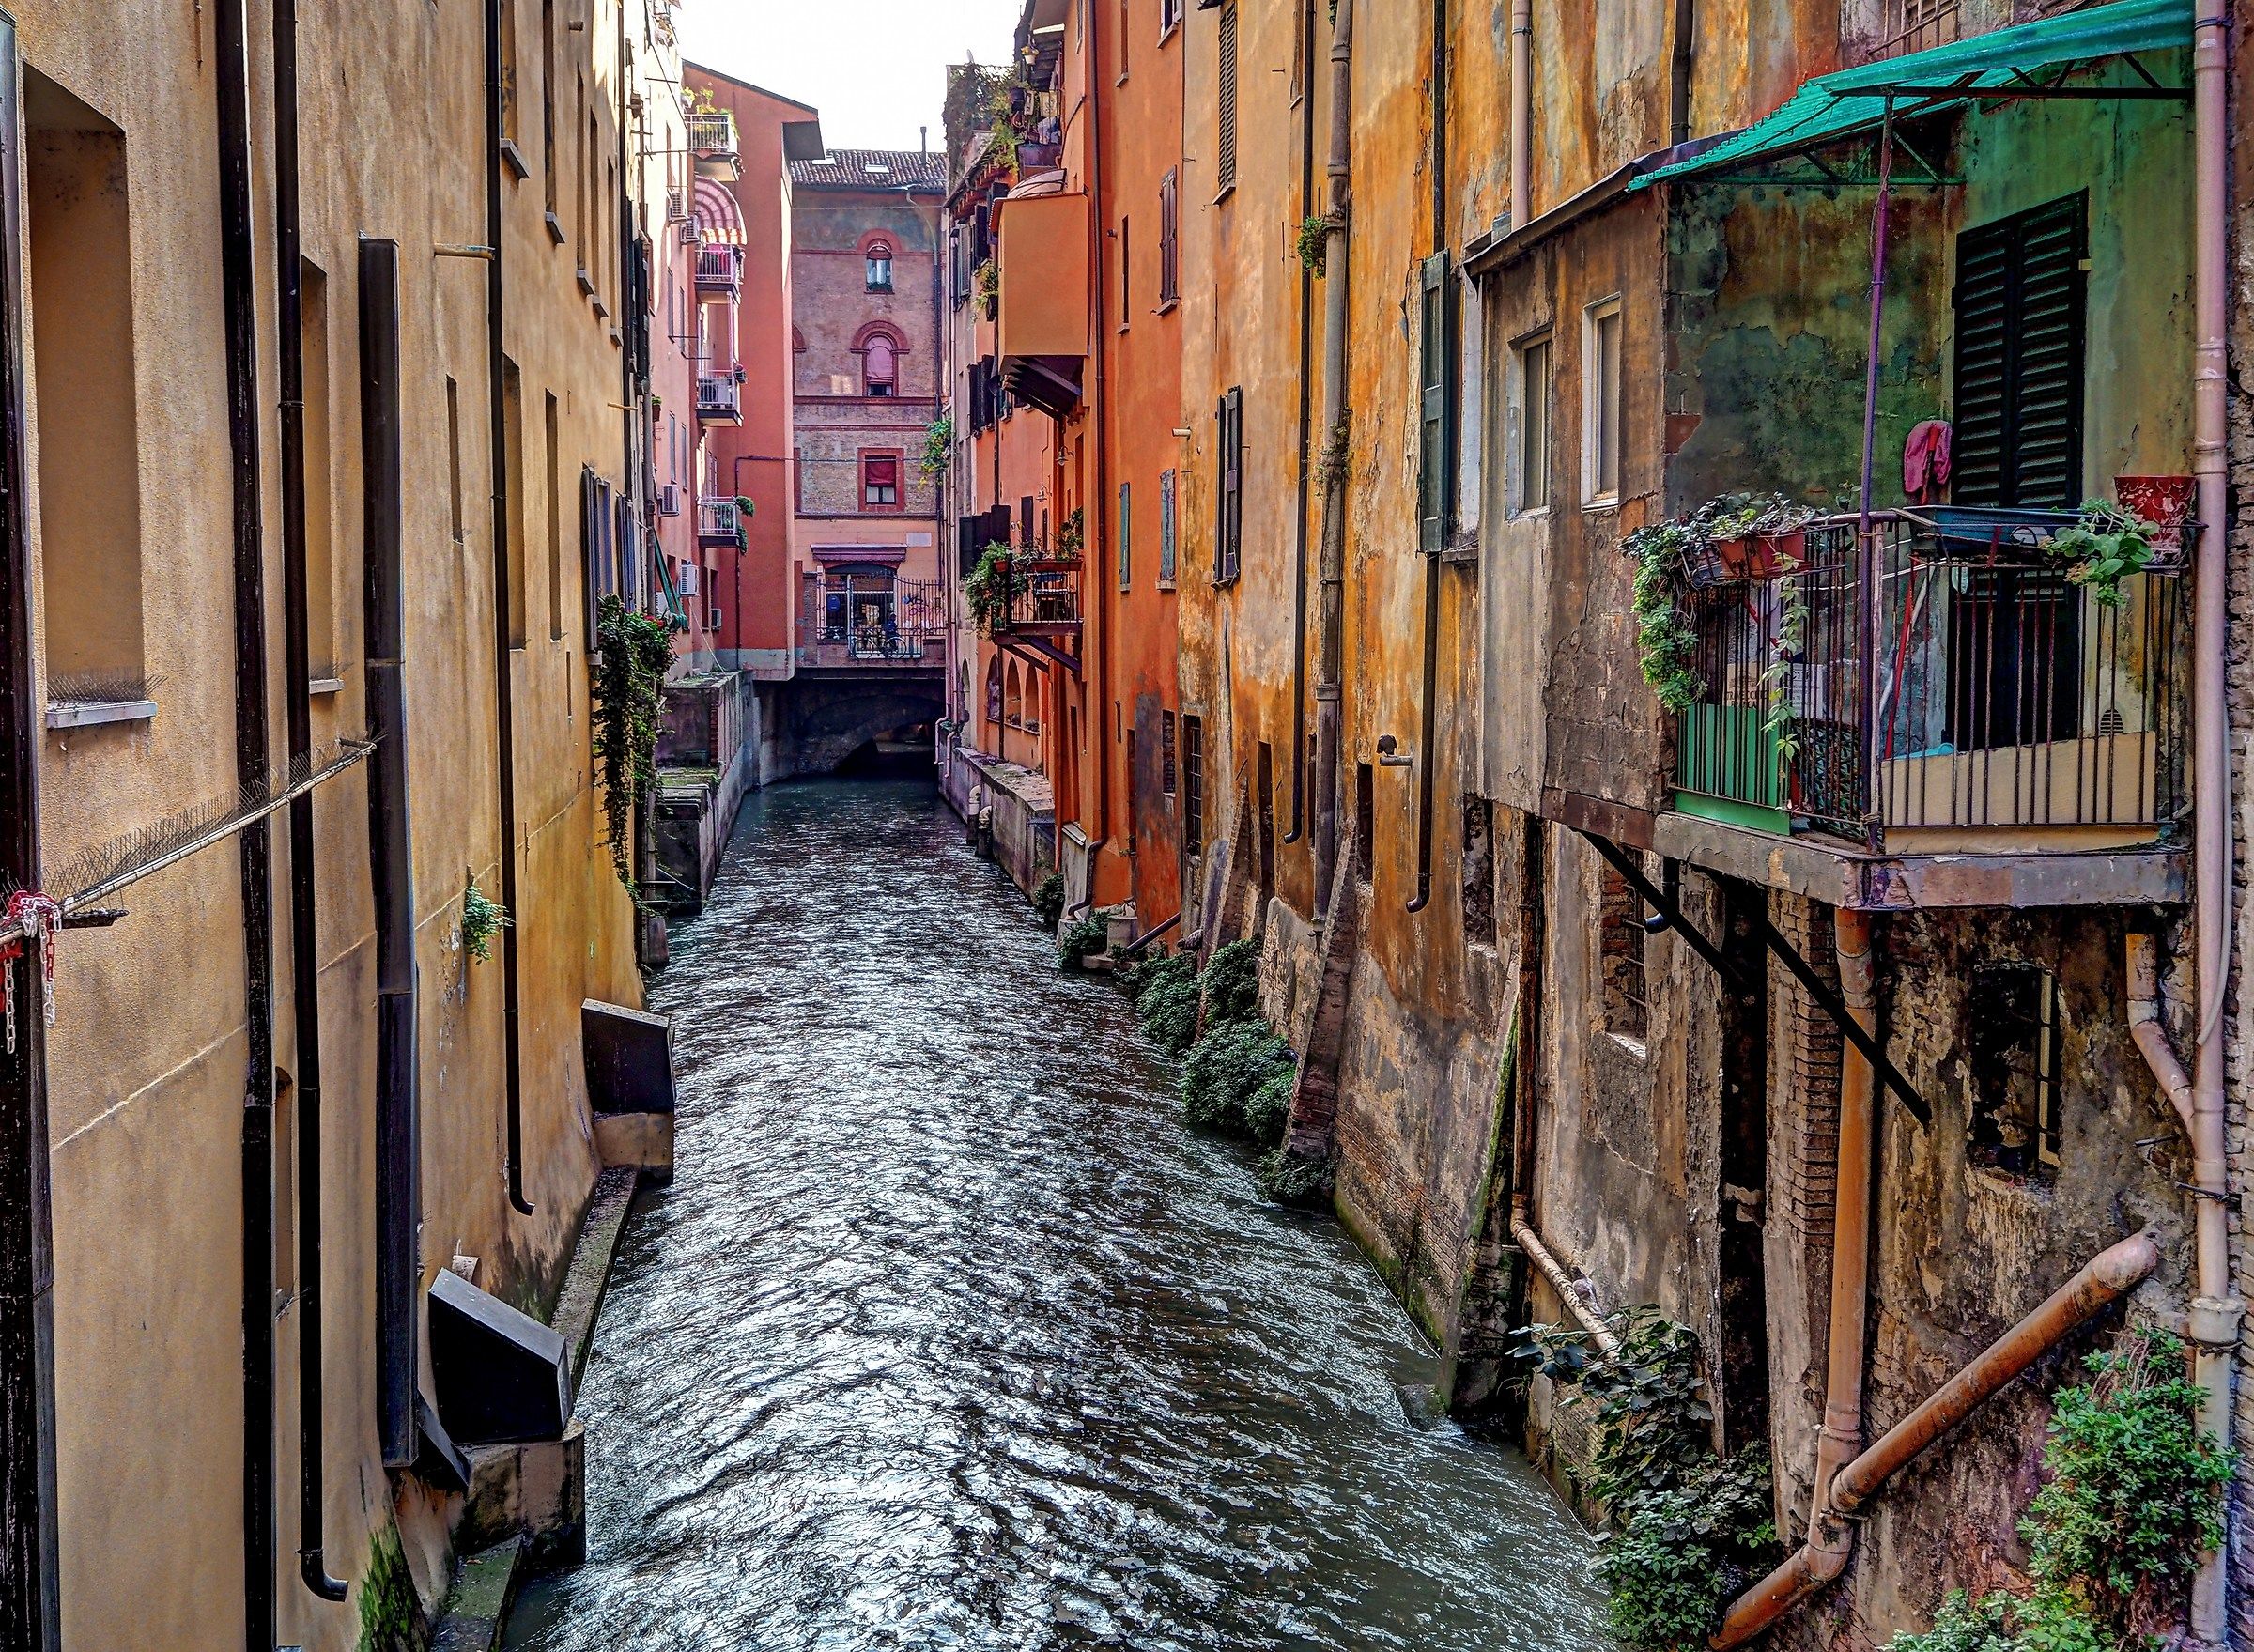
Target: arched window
{"x": 879, "y": 262}
{"x": 994, "y": 689}
{"x": 880, "y": 367}
{"x": 1013, "y": 700}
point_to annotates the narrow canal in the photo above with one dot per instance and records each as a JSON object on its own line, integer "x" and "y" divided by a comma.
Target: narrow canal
{"x": 948, "y": 1335}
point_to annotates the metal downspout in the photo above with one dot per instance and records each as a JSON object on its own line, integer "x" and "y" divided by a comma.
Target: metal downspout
{"x": 1429, "y": 712}
{"x": 252, "y": 760}
{"x": 1331, "y": 578}
{"x": 2215, "y": 1312}
{"x": 1521, "y": 111}
{"x": 1301, "y": 759}
{"x": 296, "y": 701}
{"x": 1098, "y": 409}
{"x": 504, "y": 687}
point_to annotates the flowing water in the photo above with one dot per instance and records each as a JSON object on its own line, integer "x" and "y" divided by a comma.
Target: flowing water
{"x": 948, "y": 1335}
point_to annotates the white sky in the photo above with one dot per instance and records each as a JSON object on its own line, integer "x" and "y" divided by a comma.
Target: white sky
{"x": 875, "y": 69}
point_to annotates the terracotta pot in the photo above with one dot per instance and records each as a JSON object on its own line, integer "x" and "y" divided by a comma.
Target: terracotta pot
{"x": 2164, "y": 501}
{"x": 1763, "y": 556}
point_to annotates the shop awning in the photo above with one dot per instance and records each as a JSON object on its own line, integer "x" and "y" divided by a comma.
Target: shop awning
{"x": 719, "y": 219}
{"x": 2021, "y": 61}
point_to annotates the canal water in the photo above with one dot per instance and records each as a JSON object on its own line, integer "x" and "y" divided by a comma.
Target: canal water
{"x": 948, "y": 1335}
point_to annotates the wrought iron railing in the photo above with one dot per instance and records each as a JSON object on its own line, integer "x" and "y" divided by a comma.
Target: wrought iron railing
{"x": 719, "y": 267}
{"x": 1985, "y": 693}
{"x": 719, "y": 518}
{"x": 1044, "y": 598}
{"x": 713, "y": 132}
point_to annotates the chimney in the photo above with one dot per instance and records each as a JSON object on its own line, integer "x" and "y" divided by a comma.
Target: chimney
{"x": 923, "y": 139}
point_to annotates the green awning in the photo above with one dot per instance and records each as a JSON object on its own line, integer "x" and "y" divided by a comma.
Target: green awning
{"x": 1853, "y": 101}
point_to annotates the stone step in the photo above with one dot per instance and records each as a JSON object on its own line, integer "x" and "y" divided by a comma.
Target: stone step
{"x": 477, "y": 1604}
{"x": 581, "y": 1302}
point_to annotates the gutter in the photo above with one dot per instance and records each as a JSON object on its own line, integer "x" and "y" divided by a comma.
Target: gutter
{"x": 1524, "y": 237}
{"x": 297, "y": 699}
{"x": 1331, "y": 577}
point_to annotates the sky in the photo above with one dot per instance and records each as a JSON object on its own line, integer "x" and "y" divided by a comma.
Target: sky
{"x": 875, "y": 69}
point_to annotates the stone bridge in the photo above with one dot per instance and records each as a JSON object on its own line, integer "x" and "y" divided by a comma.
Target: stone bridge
{"x": 828, "y": 714}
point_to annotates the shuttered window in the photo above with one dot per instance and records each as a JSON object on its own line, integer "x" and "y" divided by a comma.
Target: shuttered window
{"x": 1227, "y": 165}
{"x": 1169, "y": 241}
{"x": 1126, "y": 536}
{"x": 1228, "y": 499}
{"x": 1436, "y": 373}
{"x": 2020, "y": 305}
{"x": 1166, "y": 752}
{"x": 1166, "y": 534}
{"x": 1193, "y": 787}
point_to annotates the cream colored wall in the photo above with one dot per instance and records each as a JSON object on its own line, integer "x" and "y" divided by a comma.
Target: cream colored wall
{"x": 146, "y": 1057}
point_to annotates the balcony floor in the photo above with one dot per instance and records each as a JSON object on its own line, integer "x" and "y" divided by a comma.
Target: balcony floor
{"x": 1841, "y": 873}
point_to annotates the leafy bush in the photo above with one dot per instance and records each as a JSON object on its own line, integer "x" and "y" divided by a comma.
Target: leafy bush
{"x": 1168, "y": 1009}
{"x": 627, "y": 685}
{"x": 1154, "y": 968}
{"x": 1226, "y": 1069}
{"x": 2047, "y": 1621}
{"x": 992, "y": 587}
{"x": 482, "y": 917}
{"x": 1268, "y": 1109}
{"x": 1286, "y": 1178}
{"x": 1684, "y": 1554}
{"x": 1048, "y": 901}
{"x": 1087, "y": 935}
{"x": 1231, "y": 983}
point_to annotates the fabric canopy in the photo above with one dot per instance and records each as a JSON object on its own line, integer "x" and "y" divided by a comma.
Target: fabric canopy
{"x": 719, "y": 220}
{"x": 1853, "y": 101}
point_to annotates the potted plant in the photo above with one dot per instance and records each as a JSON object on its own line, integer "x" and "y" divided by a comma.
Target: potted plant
{"x": 2104, "y": 546}
{"x": 2163, "y": 501}
{"x": 1758, "y": 537}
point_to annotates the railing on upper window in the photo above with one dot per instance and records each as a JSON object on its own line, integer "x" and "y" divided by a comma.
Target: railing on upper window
{"x": 719, "y": 396}
{"x": 1994, "y": 700}
{"x": 1045, "y": 599}
{"x": 1916, "y": 25}
{"x": 712, "y": 132}
{"x": 720, "y": 268}
{"x": 719, "y": 518}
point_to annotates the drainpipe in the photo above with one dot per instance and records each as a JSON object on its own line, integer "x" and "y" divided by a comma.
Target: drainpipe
{"x": 1678, "y": 87}
{"x": 1521, "y": 111}
{"x": 1522, "y": 1230}
{"x": 504, "y": 686}
{"x": 1427, "y": 715}
{"x": 1330, "y": 647}
{"x": 2215, "y": 1312}
{"x": 304, "y": 955}
{"x": 231, "y": 80}
{"x": 1097, "y": 408}
{"x": 2107, "y": 1278}
{"x": 1306, "y": 456}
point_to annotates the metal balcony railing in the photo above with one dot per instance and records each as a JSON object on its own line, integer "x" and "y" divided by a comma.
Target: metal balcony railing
{"x": 719, "y": 398}
{"x": 1942, "y": 683}
{"x": 719, "y": 518}
{"x": 1044, "y": 598}
{"x": 720, "y": 269}
{"x": 713, "y": 133}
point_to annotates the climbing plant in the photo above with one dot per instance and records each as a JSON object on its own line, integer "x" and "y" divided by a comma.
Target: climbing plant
{"x": 632, "y": 651}
{"x": 1692, "y": 1528}
{"x": 1665, "y": 642}
{"x": 992, "y": 587}
{"x": 938, "y": 444}
{"x": 2135, "y": 1496}
{"x": 1314, "y": 245}
{"x": 482, "y": 917}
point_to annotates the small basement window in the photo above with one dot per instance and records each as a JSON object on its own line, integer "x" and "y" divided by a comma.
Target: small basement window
{"x": 1620, "y": 934}
{"x": 2012, "y": 1032}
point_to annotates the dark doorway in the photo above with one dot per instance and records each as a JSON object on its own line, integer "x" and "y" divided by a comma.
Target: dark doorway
{"x": 1744, "y": 1168}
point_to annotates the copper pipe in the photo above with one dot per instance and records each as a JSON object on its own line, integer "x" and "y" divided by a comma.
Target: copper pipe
{"x": 2104, "y": 1279}
{"x": 2152, "y": 1038}
{"x": 1841, "y": 1436}
{"x": 1521, "y": 1229}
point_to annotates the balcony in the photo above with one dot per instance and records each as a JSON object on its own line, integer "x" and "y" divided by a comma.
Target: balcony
{"x": 712, "y": 141}
{"x": 719, "y": 521}
{"x": 720, "y": 270}
{"x": 720, "y": 398}
{"x": 1043, "y": 599}
{"x": 866, "y": 620}
{"x": 1998, "y": 710}
{"x": 1044, "y": 325}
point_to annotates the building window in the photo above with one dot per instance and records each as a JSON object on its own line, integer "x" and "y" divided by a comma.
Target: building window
{"x": 1479, "y": 871}
{"x": 1228, "y": 513}
{"x": 1366, "y": 823}
{"x": 2020, "y": 300}
{"x": 1126, "y": 276}
{"x": 2012, "y": 1031}
{"x": 879, "y": 266}
{"x": 1126, "y": 536}
{"x": 1193, "y": 788}
{"x": 1169, "y": 239}
{"x": 880, "y": 367}
{"x": 1530, "y": 403}
{"x": 1166, "y": 752}
{"x": 1620, "y": 937}
{"x": 1600, "y": 404}
{"x": 547, "y": 105}
{"x": 1228, "y": 149}
{"x": 1299, "y": 51}
{"x": 994, "y": 689}
{"x": 1436, "y": 453}
{"x": 1166, "y": 530}
{"x": 1169, "y": 17}
{"x": 880, "y": 482}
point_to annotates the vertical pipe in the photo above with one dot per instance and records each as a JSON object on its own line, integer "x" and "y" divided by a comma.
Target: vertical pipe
{"x": 231, "y": 85}
{"x": 1679, "y": 79}
{"x": 1098, "y": 511}
{"x": 1331, "y": 581}
{"x": 1427, "y": 715}
{"x": 30, "y": 1607}
{"x": 1867, "y": 577}
{"x": 1841, "y": 1436}
{"x": 1306, "y": 449}
{"x": 1521, "y": 111}
{"x": 297, "y": 670}
{"x": 504, "y": 685}
{"x": 391, "y": 855}
{"x": 2216, "y": 1311}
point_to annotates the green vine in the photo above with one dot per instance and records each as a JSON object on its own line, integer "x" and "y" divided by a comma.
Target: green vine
{"x": 1778, "y": 721}
{"x": 632, "y": 652}
{"x": 938, "y": 446}
{"x": 992, "y": 587}
{"x": 1694, "y": 1528}
{"x": 1072, "y": 533}
{"x": 482, "y": 917}
{"x": 2135, "y": 1496}
{"x": 2103, "y": 548}
{"x": 1665, "y": 641}
{"x": 1315, "y": 245}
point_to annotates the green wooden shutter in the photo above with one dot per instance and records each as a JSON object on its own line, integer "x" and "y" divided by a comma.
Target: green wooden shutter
{"x": 1436, "y": 373}
{"x": 2021, "y": 302}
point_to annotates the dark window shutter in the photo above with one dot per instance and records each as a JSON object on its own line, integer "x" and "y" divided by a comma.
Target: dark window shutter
{"x": 1228, "y": 504}
{"x": 1437, "y": 445}
{"x": 1227, "y": 166}
{"x": 2021, "y": 302}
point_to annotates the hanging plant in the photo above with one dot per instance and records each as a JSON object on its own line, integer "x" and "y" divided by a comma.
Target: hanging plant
{"x": 938, "y": 445}
{"x": 994, "y": 587}
{"x": 1665, "y": 640}
{"x": 1778, "y": 721}
{"x": 1072, "y": 533}
{"x": 1314, "y": 245}
{"x": 989, "y": 282}
{"x": 482, "y": 917}
{"x": 632, "y": 652}
{"x": 2103, "y": 548}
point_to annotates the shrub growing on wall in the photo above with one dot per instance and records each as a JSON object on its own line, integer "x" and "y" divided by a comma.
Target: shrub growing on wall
{"x": 1048, "y": 901}
{"x": 1226, "y": 1069}
{"x": 632, "y": 652}
{"x": 1231, "y": 983}
{"x": 1165, "y": 999}
{"x": 1081, "y": 940}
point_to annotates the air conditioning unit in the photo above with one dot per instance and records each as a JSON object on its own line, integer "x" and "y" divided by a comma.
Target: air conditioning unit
{"x": 676, "y": 206}
{"x": 689, "y": 579}
{"x": 689, "y": 232}
{"x": 669, "y": 499}
{"x": 714, "y": 624}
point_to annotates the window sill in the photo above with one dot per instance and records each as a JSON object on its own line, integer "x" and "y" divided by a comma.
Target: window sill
{"x": 88, "y": 714}
{"x": 1635, "y": 1048}
{"x": 1598, "y": 506}
{"x": 602, "y": 311}
{"x": 1170, "y": 32}
{"x": 1167, "y": 306}
{"x": 321, "y": 686}
{"x": 586, "y": 282}
{"x": 1226, "y": 190}
{"x": 555, "y": 227}
{"x": 513, "y": 158}
{"x": 1223, "y": 581}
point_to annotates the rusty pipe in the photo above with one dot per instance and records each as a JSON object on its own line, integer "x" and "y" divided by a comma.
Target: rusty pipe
{"x": 2104, "y": 1278}
{"x": 1841, "y": 1436}
{"x": 1330, "y": 585}
{"x": 2151, "y": 1036}
{"x": 1521, "y": 1229}
{"x": 1521, "y": 111}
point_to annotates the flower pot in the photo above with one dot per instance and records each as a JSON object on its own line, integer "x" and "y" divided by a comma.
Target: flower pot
{"x": 1761, "y": 556}
{"x": 1038, "y": 157}
{"x": 2163, "y": 501}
